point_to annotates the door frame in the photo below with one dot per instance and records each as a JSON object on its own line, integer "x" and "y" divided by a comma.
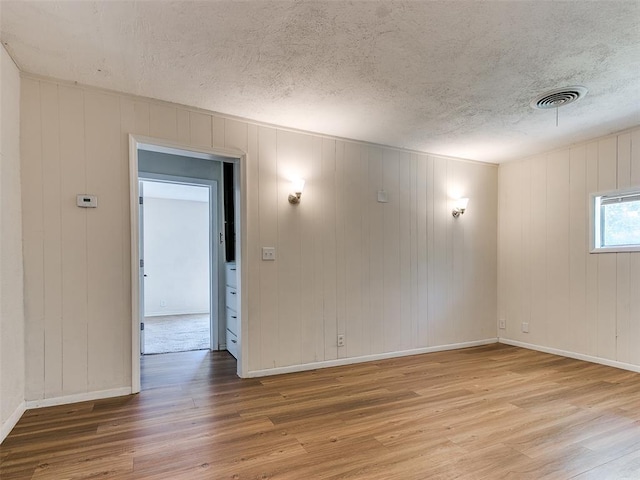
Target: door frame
{"x": 216, "y": 269}
{"x": 141, "y": 274}
{"x": 238, "y": 158}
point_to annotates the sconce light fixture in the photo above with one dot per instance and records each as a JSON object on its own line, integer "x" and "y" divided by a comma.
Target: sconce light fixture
{"x": 461, "y": 206}
{"x": 297, "y": 186}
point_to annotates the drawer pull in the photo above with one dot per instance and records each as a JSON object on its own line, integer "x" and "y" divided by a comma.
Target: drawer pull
{"x": 233, "y": 316}
{"x": 234, "y": 341}
{"x": 232, "y": 269}
{"x": 232, "y": 293}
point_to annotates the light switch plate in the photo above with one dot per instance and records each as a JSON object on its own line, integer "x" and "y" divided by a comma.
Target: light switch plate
{"x": 382, "y": 196}
{"x": 268, "y": 253}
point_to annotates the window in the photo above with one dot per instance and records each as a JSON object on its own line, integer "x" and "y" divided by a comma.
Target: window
{"x": 615, "y": 221}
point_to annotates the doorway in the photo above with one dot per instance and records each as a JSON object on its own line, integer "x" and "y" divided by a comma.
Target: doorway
{"x": 155, "y": 159}
{"x": 178, "y": 230}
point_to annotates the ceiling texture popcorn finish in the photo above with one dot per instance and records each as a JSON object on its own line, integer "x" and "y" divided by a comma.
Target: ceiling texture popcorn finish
{"x": 445, "y": 77}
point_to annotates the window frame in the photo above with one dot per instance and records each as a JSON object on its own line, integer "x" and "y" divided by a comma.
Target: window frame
{"x": 596, "y": 221}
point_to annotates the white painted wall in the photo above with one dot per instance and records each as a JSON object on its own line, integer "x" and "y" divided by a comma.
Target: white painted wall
{"x": 391, "y": 277}
{"x": 12, "y": 373}
{"x": 574, "y": 301}
{"x": 176, "y": 254}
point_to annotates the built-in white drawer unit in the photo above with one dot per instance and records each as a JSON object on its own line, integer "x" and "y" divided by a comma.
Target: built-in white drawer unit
{"x": 230, "y": 275}
{"x": 232, "y": 321}
{"x": 231, "y": 299}
{"x": 232, "y": 344}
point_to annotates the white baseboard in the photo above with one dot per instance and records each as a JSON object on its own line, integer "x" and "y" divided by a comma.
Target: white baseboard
{"x": 577, "y": 356}
{"x": 365, "y": 358}
{"x": 78, "y": 397}
{"x": 10, "y": 422}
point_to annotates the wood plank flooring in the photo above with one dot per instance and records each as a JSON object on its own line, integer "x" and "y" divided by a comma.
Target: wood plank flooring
{"x": 494, "y": 412}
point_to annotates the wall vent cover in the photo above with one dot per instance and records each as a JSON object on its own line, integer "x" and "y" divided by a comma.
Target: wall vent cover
{"x": 558, "y": 97}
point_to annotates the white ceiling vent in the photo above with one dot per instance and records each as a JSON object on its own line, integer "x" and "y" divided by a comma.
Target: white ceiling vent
{"x": 558, "y": 97}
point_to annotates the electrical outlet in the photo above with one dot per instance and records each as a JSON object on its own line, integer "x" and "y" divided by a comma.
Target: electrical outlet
{"x": 502, "y": 324}
{"x": 268, "y": 253}
{"x": 525, "y": 327}
{"x": 341, "y": 340}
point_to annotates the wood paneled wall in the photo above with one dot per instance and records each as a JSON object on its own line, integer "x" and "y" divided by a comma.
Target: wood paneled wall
{"x": 12, "y": 373}
{"x": 574, "y": 301}
{"x": 391, "y": 277}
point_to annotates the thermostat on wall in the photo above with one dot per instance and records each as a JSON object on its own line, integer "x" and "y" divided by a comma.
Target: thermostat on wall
{"x": 87, "y": 201}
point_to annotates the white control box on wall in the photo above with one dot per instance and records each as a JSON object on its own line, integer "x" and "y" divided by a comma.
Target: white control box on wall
{"x": 87, "y": 201}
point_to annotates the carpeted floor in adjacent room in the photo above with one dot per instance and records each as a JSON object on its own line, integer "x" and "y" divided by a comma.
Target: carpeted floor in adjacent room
{"x": 176, "y": 333}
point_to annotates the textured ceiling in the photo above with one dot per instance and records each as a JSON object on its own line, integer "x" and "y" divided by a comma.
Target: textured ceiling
{"x": 446, "y": 77}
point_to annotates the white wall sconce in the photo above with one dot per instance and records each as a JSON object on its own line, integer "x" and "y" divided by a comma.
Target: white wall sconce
{"x": 460, "y": 207}
{"x": 297, "y": 186}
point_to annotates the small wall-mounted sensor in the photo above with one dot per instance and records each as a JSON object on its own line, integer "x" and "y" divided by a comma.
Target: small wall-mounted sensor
{"x": 382, "y": 196}
{"x": 87, "y": 201}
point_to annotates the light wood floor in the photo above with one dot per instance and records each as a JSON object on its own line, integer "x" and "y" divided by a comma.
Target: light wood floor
{"x": 482, "y": 413}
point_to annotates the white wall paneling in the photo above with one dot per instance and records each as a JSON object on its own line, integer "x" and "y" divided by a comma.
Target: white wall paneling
{"x": 268, "y": 235}
{"x": 624, "y": 324}
{"x": 12, "y": 367}
{"x": 577, "y": 302}
{"x": 254, "y": 329}
{"x": 591, "y": 260}
{"x": 291, "y": 149}
{"x": 312, "y": 325}
{"x": 33, "y": 238}
{"x": 578, "y": 227}
{"x": 607, "y": 276}
{"x": 391, "y": 277}
{"x": 74, "y": 256}
{"x": 327, "y": 185}
{"x": 51, "y": 201}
